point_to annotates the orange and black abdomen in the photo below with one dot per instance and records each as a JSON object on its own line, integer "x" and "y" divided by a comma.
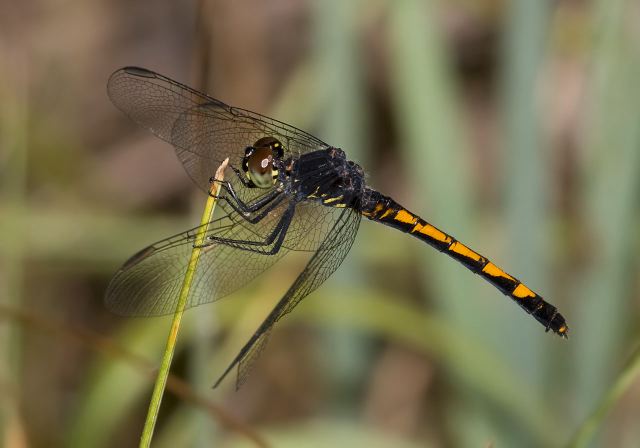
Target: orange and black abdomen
{"x": 380, "y": 208}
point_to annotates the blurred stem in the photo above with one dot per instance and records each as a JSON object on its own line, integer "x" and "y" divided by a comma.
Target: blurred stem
{"x": 586, "y": 431}
{"x": 434, "y": 145}
{"x": 526, "y": 176}
{"x": 163, "y": 373}
{"x": 337, "y": 60}
{"x": 13, "y": 180}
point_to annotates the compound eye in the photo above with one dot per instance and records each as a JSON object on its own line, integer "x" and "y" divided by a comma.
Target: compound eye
{"x": 260, "y": 167}
{"x": 277, "y": 149}
{"x": 270, "y": 142}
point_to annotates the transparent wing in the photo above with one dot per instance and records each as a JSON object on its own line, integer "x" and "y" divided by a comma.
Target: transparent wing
{"x": 203, "y": 130}
{"x": 149, "y": 283}
{"x": 324, "y": 262}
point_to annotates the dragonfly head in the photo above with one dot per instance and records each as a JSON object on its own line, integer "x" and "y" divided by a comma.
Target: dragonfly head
{"x": 258, "y": 161}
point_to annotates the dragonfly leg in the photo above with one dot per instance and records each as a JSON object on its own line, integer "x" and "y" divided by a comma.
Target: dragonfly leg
{"x": 241, "y": 177}
{"x": 241, "y": 206}
{"x": 275, "y": 238}
{"x": 268, "y": 208}
{"x": 267, "y": 202}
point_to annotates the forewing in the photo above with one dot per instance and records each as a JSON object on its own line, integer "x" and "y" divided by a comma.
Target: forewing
{"x": 203, "y": 129}
{"x": 324, "y": 262}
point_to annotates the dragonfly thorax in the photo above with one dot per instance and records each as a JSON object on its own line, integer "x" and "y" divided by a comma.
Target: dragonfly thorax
{"x": 327, "y": 176}
{"x": 259, "y": 160}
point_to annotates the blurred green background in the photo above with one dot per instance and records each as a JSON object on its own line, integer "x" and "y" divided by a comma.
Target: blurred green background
{"x": 513, "y": 125}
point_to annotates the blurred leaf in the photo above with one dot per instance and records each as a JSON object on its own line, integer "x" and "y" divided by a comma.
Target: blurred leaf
{"x": 625, "y": 380}
{"x": 611, "y": 203}
{"x": 85, "y": 234}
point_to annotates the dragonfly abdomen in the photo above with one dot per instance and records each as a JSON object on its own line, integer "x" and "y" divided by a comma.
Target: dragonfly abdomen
{"x": 383, "y": 209}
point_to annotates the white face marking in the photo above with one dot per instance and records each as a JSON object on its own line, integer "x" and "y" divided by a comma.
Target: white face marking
{"x": 264, "y": 163}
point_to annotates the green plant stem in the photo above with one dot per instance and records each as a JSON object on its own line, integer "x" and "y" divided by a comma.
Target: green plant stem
{"x": 165, "y": 365}
{"x": 585, "y": 432}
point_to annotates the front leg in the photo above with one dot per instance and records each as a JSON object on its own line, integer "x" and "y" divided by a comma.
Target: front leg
{"x": 248, "y": 183}
{"x": 276, "y": 237}
{"x": 240, "y": 205}
{"x": 271, "y": 204}
{"x": 241, "y": 177}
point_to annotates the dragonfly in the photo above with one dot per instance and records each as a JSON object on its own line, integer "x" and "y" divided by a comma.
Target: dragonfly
{"x": 289, "y": 191}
